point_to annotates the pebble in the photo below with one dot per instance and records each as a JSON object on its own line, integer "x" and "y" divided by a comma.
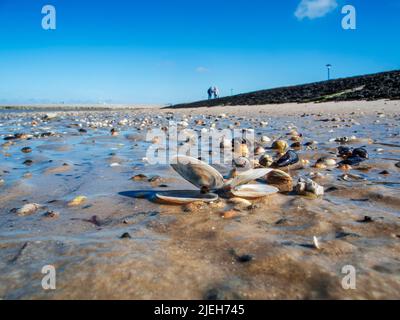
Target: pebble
{"x": 125, "y": 235}
{"x": 307, "y": 185}
{"x": 139, "y": 177}
{"x": 230, "y": 214}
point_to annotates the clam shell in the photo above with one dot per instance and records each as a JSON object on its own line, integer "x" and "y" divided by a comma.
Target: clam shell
{"x": 185, "y": 196}
{"x": 249, "y": 175}
{"x": 198, "y": 172}
{"x": 251, "y": 191}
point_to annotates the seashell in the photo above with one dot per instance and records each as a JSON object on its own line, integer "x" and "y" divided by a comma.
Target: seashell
{"x": 253, "y": 191}
{"x": 243, "y": 203}
{"x": 248, "y": 176}
{"x": 397, "y": 164}
{"x": 265, "y": 139}
{"x": 307, "y": 185}
{"x": 198, "y": 173}
{"x": 26, "y": 150}
{"x": 296, "y": 145}
{"x": 185, "y": 196}
{"x": 345, "y": 167}
{"x": 28, "y": 209}
{"x": 77, "y": 201}
{"x": 352, "y": 161}
{"x": 345, "y": 151}
{"x": 280, "y": 180}
{"x": 241, "y": 162}
{"x": 259, "y": 150}
{"x": 360, "y": 152}
{"x": 325, "y": 162}
{"x": 316, "y": 243}
{"x": 279, "y": 145}
{"x": 265, "y": 160}
{"x": 287, "y": 159}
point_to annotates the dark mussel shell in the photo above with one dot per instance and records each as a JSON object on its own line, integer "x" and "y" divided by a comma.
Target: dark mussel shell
{"x": 345, "y": 151}
{"x": 288, "y": 159}
{"x": 353, "y": 160}
{"x": 360, "y": 152}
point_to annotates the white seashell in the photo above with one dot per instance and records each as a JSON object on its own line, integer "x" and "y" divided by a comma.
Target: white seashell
{"x": 316, "y": 243}
{"x": 265, "y": 139}
{"x": 247, "y": 176}
{"x": 252, "y": 191}
{"x": 185, "y": 196}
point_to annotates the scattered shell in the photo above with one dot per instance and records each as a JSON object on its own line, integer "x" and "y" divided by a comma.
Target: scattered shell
{"x": 307, "y": 185}
{"x": 259, "y": 150}
{"x": 51, "y": 214}
{"x": 280, "y": 145}
{"x": 287, "y": 159}
{"x": 265, "y": 139}
{"x": 28, "y": 209}
{"x": 242, "y": 162}
{"x": 26, "y": 150}
{"x": 198, "y": 173}
{"x": 185, "y": 196}
{"x": 280, "y": 180}
{"x": 265, "y": 160}
{"x": 230, "y": 214}
{"x": 240, "y": 202}
{"x": 139, "y": 177}
{"x": 316, "y": 243}
{"x": 252, "y": 191}
{"x": 77, "y": 201}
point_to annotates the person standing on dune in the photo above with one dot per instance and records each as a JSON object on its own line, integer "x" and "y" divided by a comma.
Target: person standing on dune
{"x": 216, "y": 92}
{"x": 210, "y": 93}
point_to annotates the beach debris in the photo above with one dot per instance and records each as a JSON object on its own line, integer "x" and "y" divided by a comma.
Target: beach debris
{"x": 77, "y": 201}
{"x": 325, "y": 162}
{"x": 259, "y": 150}
{"x": 26, "y": 150}
{"x": 125, "y": 235}
{"x": 316, "y": 243}
{"x": 114, "y": 132}
{"x": 139, "y": 177}
{"x": 28, "y": 209}
{"x": 265, "y": 160}
{"x": 280, "y": 179}
{"x": 351, "y": 177}
{"x": 280, "y": 145}
{"x": 230, "y": 214}
{"x": 265, "y": 139}
{"x": 305, "y": 185}
{"x": 287, "y": 159}
{"x": 51, "y": 214}
{"x": 209, "y": 180}
{"x": 241, "y": 162}
{"x": 366, "y": 219}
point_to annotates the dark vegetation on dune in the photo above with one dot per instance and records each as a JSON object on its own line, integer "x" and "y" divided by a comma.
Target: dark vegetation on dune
{"x": 385, "y": 85}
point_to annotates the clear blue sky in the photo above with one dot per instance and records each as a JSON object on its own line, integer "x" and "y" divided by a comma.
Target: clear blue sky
{"x": 168, "y": 51}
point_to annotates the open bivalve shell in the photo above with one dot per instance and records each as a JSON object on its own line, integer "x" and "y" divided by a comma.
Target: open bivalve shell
{"x": 206, "y": 178}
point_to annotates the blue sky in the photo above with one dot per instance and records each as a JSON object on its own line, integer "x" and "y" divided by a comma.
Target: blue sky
{"x": 159, "y": 51}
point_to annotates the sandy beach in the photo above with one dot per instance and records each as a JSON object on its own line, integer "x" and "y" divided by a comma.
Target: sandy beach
{"x": 77, "y": 197}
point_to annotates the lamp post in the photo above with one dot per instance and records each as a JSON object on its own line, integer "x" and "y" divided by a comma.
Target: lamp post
{"x": 329, "y": 66}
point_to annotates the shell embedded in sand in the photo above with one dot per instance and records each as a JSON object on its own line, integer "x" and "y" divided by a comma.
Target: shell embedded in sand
{"x": 185, "y": 196}
{"x": 252, "y": 191}
{"x": 280, "y": 180}
{"x": 198, "y": 173}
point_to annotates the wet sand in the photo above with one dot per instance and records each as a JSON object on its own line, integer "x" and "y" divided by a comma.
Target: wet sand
{"x": 191, "y": 252}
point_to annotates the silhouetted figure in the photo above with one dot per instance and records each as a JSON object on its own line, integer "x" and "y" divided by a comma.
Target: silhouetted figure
{"x": 210, "y": 92}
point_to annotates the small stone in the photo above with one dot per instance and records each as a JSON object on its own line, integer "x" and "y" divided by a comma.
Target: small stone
{"x": 307, "y": 185}
{"x": 28, "y": 162}
{"x": 385, "y": 172}
{"x": 366, "y": 219}
{"x": 125, "y": 235}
